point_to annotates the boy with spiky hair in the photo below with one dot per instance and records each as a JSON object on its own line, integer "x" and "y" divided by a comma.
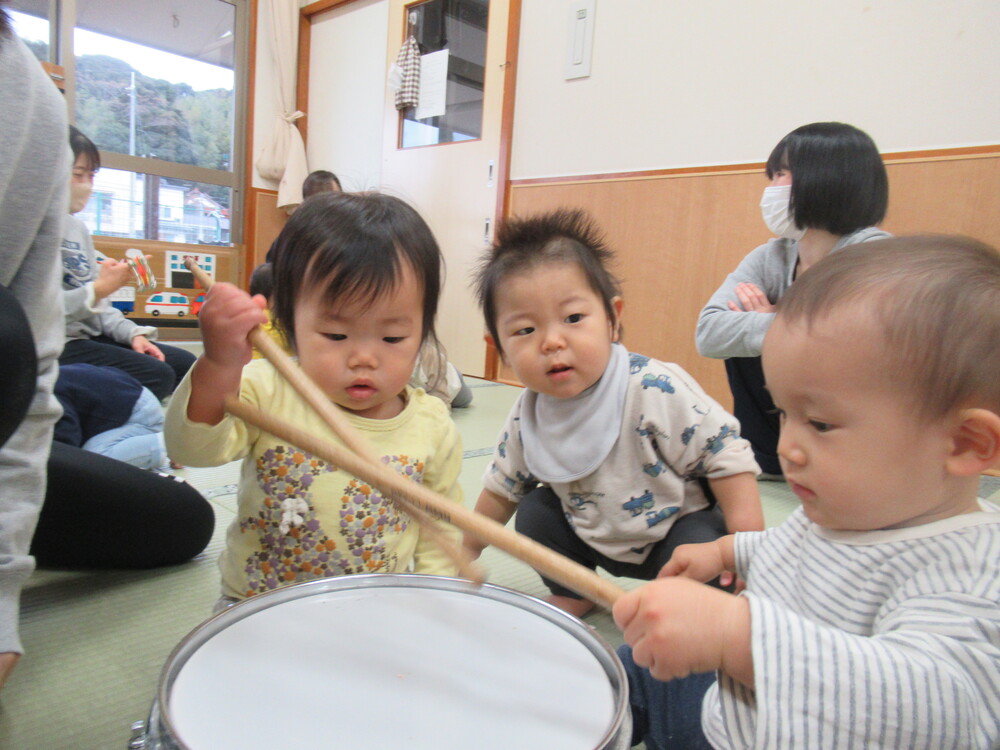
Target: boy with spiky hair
{"x": 609, "y": 457}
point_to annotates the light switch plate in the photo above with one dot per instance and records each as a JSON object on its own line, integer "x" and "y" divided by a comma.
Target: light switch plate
{"x": 580, "y": 40}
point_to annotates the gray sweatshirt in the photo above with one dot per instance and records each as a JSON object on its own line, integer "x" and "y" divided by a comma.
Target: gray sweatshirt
{"x": 87, "y": 316}
{"x": 722, "y": 333}
{"x": 34, "y": 183}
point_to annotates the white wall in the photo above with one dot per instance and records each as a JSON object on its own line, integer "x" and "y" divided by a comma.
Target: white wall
{"x": 721, "y": 81}
{"x": 335, "y": 47}
{"x": 347, "y": 93}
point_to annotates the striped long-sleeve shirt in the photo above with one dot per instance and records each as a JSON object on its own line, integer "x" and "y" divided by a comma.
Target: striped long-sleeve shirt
{"x": 878, "y": 639}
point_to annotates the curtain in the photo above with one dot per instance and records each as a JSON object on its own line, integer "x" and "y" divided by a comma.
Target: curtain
{"x": 284, "y": 157}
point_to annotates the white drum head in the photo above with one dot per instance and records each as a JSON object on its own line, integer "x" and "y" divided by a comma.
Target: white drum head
{"x": 392, "y": 667}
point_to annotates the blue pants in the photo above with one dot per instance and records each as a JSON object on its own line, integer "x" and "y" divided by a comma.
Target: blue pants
{"x": 540, "y": 516}
{"x": 160, "y": 377}
{"x": 139, "y": 441}
{"x": 666, "y": 715}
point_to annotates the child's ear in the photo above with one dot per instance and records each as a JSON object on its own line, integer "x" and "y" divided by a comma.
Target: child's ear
{"x": 975, "y": 443}
{"x": 616, "y": 324}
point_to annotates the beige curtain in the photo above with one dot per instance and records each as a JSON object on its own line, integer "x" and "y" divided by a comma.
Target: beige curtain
{"x": 284, "y": 157}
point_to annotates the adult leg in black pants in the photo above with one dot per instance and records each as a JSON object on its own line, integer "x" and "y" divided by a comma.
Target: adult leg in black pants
{"x": 752, "y": 405}
{"x": 18, "y": 365}
{"x": 159, "y": 377}
{"x": 102, "y": 513}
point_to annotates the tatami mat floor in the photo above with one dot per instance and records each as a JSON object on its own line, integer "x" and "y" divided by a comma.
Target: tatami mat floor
{"x": 96, "y": 641}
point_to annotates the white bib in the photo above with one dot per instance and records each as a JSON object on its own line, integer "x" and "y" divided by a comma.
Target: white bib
{"x": 568, "y": 438}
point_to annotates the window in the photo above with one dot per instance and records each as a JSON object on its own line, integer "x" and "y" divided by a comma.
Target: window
{"x": 31, "y": 23}
{"x": 147, "y": 206}
{"x": 158, "y": 88}
{"x": 456, "y": 29}
{"x": 103, "y": 205}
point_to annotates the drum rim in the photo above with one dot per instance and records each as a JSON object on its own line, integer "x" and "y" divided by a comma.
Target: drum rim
{"x": 202, "y": 633}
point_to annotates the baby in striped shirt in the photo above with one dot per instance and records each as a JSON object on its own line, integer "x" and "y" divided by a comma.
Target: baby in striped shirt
{"x": 871, "y": 617}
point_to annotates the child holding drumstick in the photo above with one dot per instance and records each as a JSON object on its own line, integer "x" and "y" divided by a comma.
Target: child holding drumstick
{"x": 356, "y": 285}
{"x": 633, "y": 454}
{"x": 871, "y": 617}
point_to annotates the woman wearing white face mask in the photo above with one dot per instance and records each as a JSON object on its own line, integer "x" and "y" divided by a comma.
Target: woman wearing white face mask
{"x": 828, "y": 190}
{"x": 96, "y": 332}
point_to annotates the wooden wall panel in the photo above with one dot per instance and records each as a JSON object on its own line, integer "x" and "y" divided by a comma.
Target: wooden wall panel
{"x": 181, "y": 322}
{"x": 266, "y": 221}
{"x": 953, "y": 196}
{"x": 678, "y": 235}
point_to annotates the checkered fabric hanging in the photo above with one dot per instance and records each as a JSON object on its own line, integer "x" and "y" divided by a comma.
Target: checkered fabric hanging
{"x": 408, "y": 61}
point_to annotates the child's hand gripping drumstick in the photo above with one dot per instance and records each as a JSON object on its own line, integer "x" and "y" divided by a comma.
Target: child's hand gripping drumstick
{"x": 330, "y": 414}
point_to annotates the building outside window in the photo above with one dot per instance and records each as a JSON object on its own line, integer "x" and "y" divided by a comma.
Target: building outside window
{"x": 158, "y": 87}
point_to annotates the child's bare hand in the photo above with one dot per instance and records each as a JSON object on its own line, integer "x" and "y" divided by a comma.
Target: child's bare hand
{"x": 473, "y": 546}
{"x": 8, "y": 660}
{"x": 702, "y": 562}
{"x": 142, "y": 345}
{"x": 112, "y": 275}
{"x": 226, "y": 319}
{"x": 678, "y": 627}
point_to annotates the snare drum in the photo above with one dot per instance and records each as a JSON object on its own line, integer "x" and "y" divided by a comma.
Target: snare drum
{"x": 395, "y": 661}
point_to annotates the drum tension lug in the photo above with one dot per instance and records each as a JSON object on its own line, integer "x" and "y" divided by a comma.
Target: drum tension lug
{"x": 138, "y": 739}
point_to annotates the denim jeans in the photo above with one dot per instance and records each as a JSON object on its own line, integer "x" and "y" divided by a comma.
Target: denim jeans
{"x": 139, "y": 441}
{"x": 666, "y": 715}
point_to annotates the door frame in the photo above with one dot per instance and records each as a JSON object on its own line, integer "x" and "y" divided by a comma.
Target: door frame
{"x": 306, "y": 16}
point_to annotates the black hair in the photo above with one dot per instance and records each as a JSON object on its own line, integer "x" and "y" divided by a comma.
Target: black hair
{"x": 355, "y": 245}
{"x": 839, "y": 183}
{"x": 82, "y": 145}
{"x": 320, "y": 181}
{"x": 262, "y": 280}
{"x": 562, "y": 236}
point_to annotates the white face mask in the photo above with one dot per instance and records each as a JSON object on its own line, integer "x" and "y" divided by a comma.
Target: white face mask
{"x": 774, "y": 209}
{"x": 79, "y": 194}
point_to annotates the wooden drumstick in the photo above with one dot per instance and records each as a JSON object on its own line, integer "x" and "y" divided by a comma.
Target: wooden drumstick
{"x": 333, "y": 417}
{"x": 549, "y": 563}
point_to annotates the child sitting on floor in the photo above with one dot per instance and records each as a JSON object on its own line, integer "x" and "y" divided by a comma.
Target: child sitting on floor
{"x": 633, "y": 454}
{"x": 871, "y": 617}
{"x": 356, "y": 285}
{"x": 97, "y": 333}
{"x": 439, "y": 377}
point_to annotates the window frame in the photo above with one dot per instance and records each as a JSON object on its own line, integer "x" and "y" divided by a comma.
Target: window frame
{"x": 62, "y": 22}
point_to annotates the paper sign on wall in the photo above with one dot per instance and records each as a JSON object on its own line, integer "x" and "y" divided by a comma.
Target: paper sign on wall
{"x": 433, "y": 84}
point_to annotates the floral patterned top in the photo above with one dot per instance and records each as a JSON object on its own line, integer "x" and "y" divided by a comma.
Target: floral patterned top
{"x": 301, "y": 518}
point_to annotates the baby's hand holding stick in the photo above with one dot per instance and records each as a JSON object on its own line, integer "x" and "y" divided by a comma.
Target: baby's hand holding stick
{"x": 678, "y": 626}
